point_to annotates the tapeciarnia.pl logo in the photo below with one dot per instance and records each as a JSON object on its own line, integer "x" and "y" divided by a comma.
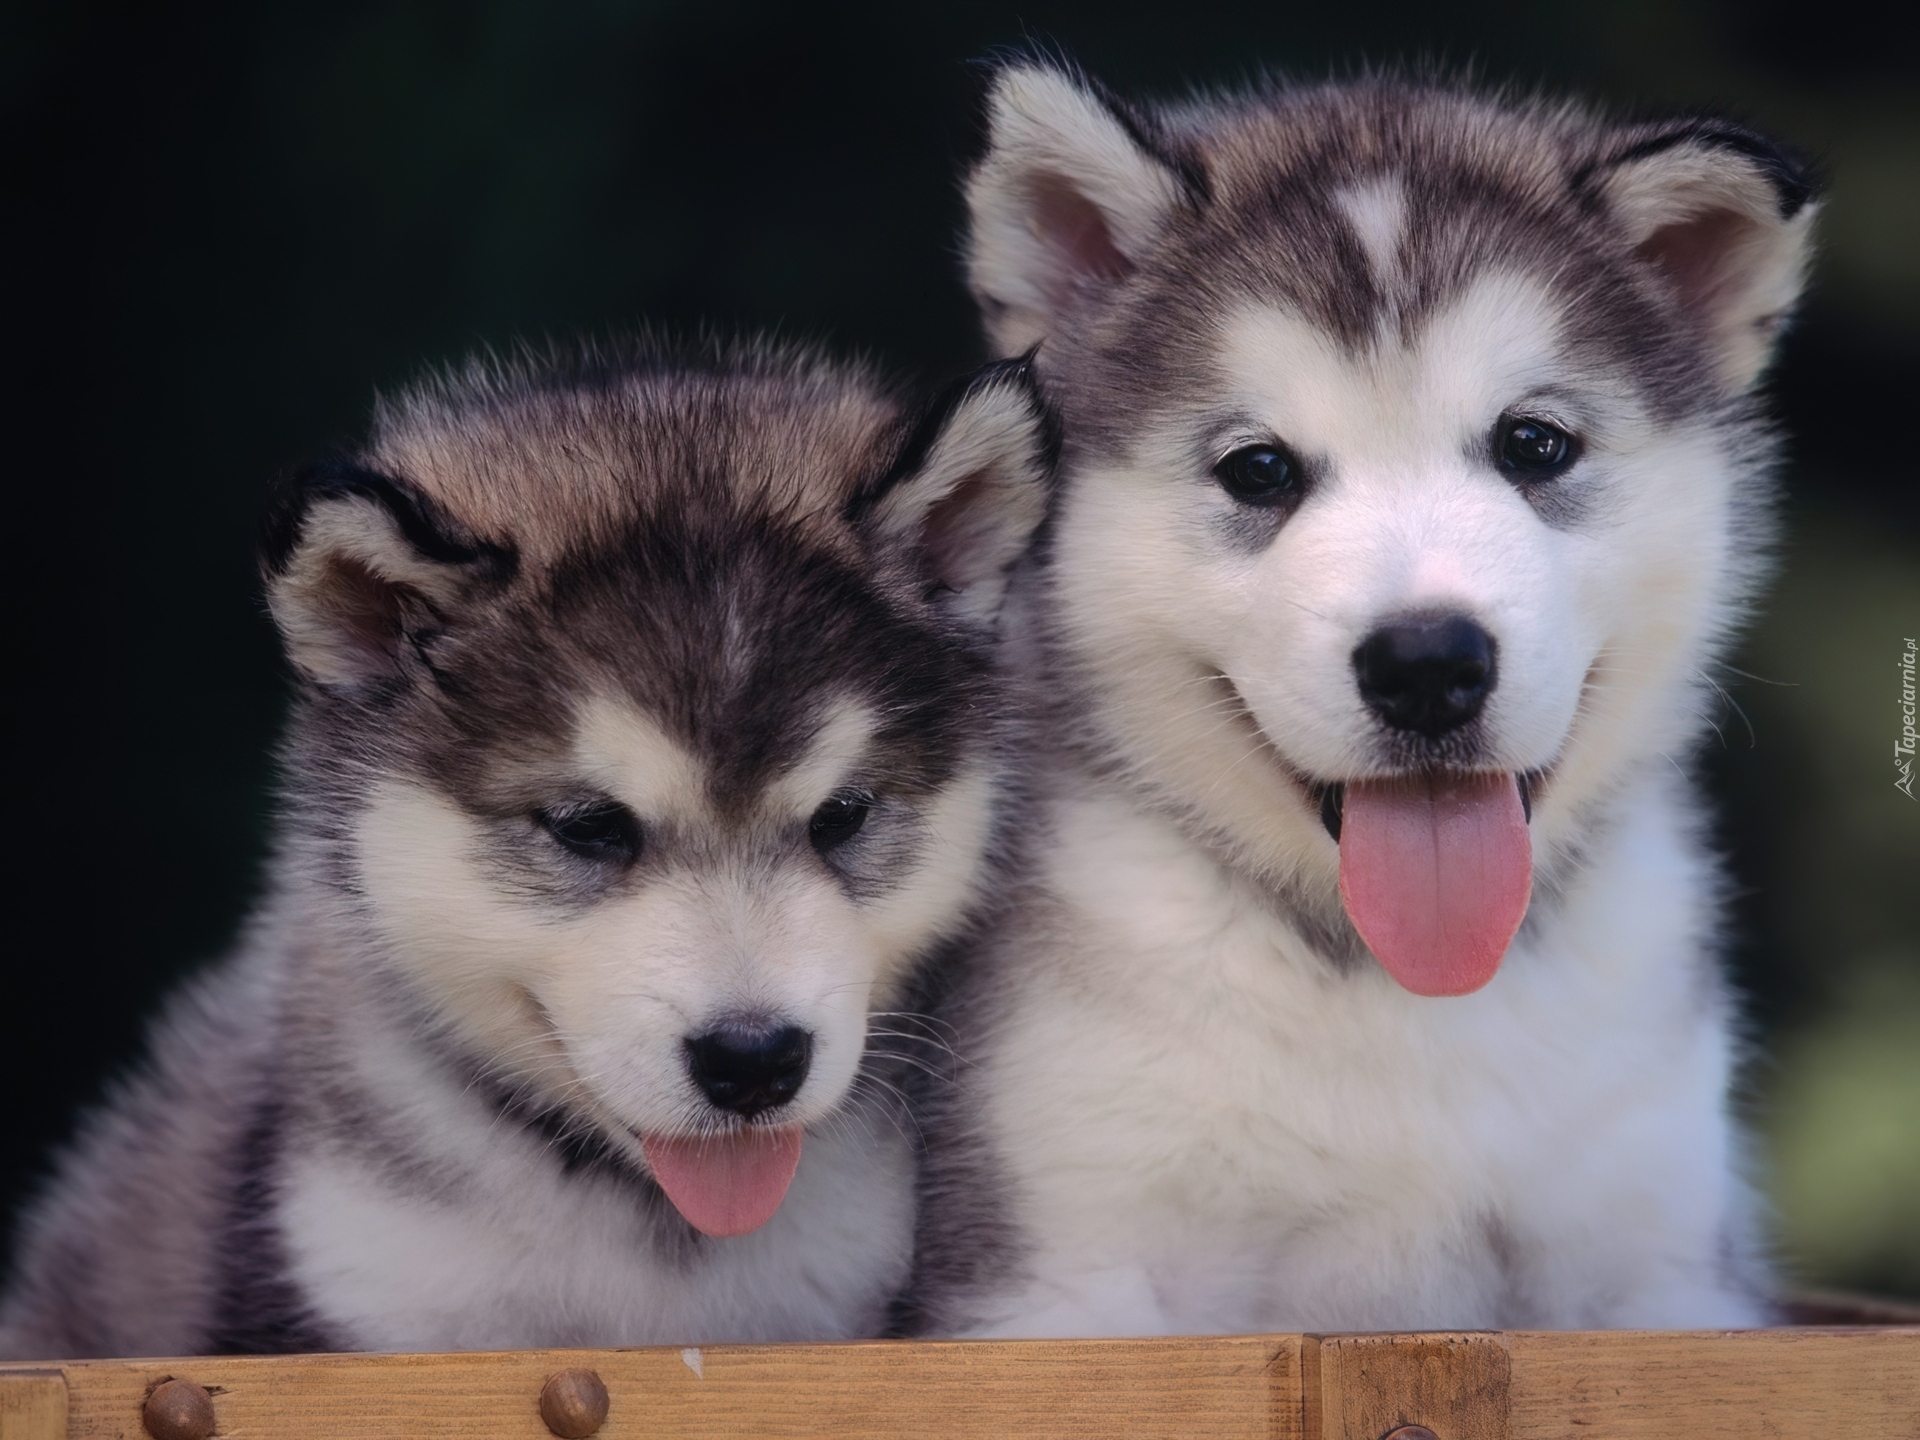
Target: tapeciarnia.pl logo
{"x": 1903, "y": 747}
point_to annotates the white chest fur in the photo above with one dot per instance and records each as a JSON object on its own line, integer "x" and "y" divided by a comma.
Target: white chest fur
{"x": 489, "y": 1244}
{"x": 1207, "y": 1128}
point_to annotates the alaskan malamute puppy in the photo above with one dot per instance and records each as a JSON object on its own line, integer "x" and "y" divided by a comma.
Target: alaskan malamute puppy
{"x": 1412, "y": 478}
{"x": 644, "y": 756}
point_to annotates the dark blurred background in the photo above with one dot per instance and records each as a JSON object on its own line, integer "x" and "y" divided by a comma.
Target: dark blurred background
{"x": 232, "y": 223}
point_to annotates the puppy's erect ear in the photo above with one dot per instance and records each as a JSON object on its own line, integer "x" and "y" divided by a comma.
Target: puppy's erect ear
{"x": 1070, "y": 193}
{"x": 1727, "y": 215}
{"x": 360, "y": 565}
{"x": 968, "y": 489}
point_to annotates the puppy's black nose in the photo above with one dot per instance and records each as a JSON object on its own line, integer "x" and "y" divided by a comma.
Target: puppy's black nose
{"x": 747, "y": 1070}
{"x": 1426, "y": 673}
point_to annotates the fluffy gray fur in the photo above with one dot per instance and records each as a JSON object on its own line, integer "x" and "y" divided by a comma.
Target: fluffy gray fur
{"x": 717, "y": 589}
{"x": 1192, "y": 1100}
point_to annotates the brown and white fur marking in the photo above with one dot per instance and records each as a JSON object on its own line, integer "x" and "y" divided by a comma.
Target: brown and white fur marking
{"x": 644, "y": 758}
{"x": 1334, "y": 363}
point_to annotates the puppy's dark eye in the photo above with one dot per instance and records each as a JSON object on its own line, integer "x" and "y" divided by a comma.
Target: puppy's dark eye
{"x": 1533, "y": 449}
{"x": 1259, "y": 475}
{"x": 607, "y": 831}
{"x": 839, "y": 819}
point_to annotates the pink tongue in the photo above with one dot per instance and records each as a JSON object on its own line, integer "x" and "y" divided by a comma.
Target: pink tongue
{"x": 1435, "y": 873}
{"x": 725, "y": 1184}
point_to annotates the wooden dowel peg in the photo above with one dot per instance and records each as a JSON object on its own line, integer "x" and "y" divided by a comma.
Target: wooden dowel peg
{"x": 574, "y": 1404}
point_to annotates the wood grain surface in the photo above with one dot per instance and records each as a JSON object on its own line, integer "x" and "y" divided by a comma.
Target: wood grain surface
{"x": 1138, "y": 1388}
{"x": 33, "y": 1404}
{"x": 1360, "y": 1387}
{"x": 1825, "y": 1384}
{"x": 1650, "y": 1385}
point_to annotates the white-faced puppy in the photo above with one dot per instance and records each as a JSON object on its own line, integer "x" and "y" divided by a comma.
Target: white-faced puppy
{"x": 1412, "y": 478}
{"x": 644, "y": 757}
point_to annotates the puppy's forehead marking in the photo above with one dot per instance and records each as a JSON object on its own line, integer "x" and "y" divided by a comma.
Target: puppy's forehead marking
{"x": 1493, "y": 346}
{"x": 1377, "y": 211}
{"x": 624, "y": 750}
{"x": 828, "y": 760}
{"x": 1502, "y": 339}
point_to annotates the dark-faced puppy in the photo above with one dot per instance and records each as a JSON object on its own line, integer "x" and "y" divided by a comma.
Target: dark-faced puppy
{"x": 644, "y": 755}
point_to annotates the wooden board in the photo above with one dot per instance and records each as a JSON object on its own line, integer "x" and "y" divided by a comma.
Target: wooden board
{"x": 1212, "y": 1390}
{"x": 1597, "y": 1385}
{"x": 1649, "y": 1385}
{"x": 1360, "y": 1387}
{"x": 33, "y": 1403}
